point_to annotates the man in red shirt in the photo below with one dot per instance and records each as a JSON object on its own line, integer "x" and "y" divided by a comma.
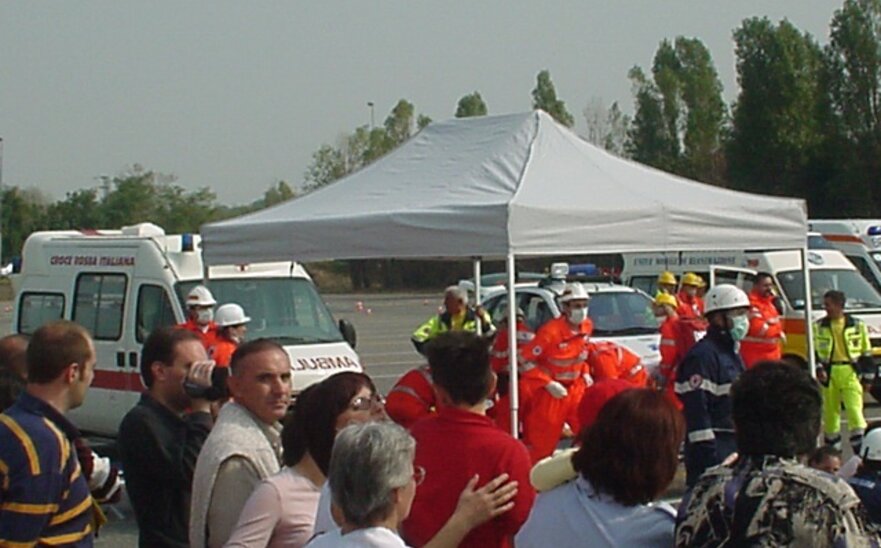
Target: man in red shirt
{"x": 200, "y": 316}
{"x": 461, "y": 442}
{"x": 558, "y": 371}
{"x": 762, "y": 342}
{"x": 691, "y": 305}
{"x": 499, "y": 360}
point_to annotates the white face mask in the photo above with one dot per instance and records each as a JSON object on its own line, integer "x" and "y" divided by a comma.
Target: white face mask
{"x": 576, "y": 315}
{"x": 204, "y": 315}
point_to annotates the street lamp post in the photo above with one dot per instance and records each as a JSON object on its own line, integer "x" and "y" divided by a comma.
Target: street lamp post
{"x": 372, "y": 124}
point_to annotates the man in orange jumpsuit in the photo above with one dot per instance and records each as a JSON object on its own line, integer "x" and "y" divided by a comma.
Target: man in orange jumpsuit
{"x": 557, "y": 372}
{"x": 678, "y": 335}
{"x": 499, "y": 360}
{"x": 690, "y": 303}
{"x": 232, "y": 324}
{"x": 609, "y": 360}
{"x": 762, "y": 342}
{"x": 412, "y": 397}
{"x": 200, "y": 315}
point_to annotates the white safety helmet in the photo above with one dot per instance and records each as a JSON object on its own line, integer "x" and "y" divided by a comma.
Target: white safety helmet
{"x": 574, "y": 292}
{"x": 200, "y": 296}
{"x": 725, "y": 297}
{"x": 871, "y": 448}
{"x": 231, "y": 314}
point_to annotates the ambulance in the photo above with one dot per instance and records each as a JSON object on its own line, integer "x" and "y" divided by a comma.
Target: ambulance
{"x": 122, "y": 284}
{"x": 828, "y": 268}
{"x": 859, "y": 240}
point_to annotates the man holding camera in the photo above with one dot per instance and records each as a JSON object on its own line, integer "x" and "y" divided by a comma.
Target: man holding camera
{"x": 158, "y": 442}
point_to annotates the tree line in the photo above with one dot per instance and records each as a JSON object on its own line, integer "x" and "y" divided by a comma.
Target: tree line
{"x": 806, "y": 123}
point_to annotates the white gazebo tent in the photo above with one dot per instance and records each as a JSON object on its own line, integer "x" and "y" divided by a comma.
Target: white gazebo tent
{"x": 502, "y": 187}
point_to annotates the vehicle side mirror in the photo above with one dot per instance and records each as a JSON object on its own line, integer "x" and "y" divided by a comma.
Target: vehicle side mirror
{"x": 348, "y": 332}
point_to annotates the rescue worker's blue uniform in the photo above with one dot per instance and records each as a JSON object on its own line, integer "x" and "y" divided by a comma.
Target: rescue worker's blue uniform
{"x": 703, "y": 384}
{"x": 867, "y": 485}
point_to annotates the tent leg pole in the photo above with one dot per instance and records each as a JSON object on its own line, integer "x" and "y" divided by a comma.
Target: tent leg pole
{"x": 512, "y": 348}
{"x": 477, "y": 293}
{"x": 809, "y": 309}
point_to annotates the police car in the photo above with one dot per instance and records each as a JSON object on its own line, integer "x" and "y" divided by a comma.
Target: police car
{"x": 619, "y": 313}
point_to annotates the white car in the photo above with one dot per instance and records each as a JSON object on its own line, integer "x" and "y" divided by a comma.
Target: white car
{"x": 619, "y": 313}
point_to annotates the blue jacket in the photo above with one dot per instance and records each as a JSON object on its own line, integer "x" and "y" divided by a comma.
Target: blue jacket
{"x": 867, "y": 485}
{"x": 703, "y": 384}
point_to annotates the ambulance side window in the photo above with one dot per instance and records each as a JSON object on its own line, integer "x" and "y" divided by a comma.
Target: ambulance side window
{"x": 154, "y": 310}
{"x": 98, "y": 304}
{"x": 39, "y": 308}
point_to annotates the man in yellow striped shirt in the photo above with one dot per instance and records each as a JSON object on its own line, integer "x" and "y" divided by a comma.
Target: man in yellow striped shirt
{"x": 44, "y": 497}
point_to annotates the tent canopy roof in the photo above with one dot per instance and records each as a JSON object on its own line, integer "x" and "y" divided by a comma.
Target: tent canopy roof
{"x": 493, "y": 185}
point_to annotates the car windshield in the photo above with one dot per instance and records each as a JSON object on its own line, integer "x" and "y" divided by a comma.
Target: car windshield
{"x": 621, "y": 313}
{"x": 860, "y": 294}
{"x": 287, "y": 310}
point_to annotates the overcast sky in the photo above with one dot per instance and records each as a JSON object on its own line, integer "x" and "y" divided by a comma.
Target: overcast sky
{"x": 236, "y": 95}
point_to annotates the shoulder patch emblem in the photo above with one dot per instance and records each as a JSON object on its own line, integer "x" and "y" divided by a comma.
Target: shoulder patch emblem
{"x": 536, "y": 351}
{"x": 695, "y": 381}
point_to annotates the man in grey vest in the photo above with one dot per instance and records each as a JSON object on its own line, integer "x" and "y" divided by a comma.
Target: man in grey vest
{"x": 244, "y": 447}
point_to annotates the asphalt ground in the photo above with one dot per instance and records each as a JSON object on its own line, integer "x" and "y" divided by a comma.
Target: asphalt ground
{"x": 383, "y": 324}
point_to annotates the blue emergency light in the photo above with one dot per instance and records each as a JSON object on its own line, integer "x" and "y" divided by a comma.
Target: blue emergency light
{"x": 874, "y": 231}
{"x": 186, "y": 242}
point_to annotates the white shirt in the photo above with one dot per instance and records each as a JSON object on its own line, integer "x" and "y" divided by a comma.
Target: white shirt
{"x": 323, "y": 518}
{"x": 373, "y": 537}
{"x": 575, "y": 515}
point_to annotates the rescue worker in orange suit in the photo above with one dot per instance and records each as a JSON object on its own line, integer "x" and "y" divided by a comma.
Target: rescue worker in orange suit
{"x": 691, "y": 305}
{"x": 557, "y": 372}
{"x": 499, "y": 360}
{"x": 678, "y": 335}
{"x": 200, "y": 315}
{"x": 609, "y": 360}
{"x": 232, "y": 324}
{"x": 762, "y": 342}
{"x": 412, "y": 397}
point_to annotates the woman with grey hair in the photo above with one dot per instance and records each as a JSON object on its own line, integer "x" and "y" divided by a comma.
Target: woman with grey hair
{"x": 373, "y": 482}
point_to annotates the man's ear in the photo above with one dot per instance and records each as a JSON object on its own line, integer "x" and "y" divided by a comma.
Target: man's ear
{"x": 442, "y": 395}
{"x": 159, "y": 371}
{"x": 72, "y": 373}
{"x": 493, "y": 382}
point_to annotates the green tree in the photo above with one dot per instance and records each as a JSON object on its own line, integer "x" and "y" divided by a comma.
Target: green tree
{"x": 778, "y": 131}
{"x": 399, "y": 123}
{"x": 280, "y": 192}
{"x": 22, "y": 212}
{"x": 471, "y": 105}
{"x": 854, "y": 76}
{"x": 80, "y": 209}
{"x": 544, "y": 97}
{"x": 422, "y": 121}
{"x": 680, "y": 113}
{"x": 606, "y": 128}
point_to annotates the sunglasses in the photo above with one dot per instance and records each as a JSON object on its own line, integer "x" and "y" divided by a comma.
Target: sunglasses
{"x": 367, "y": 403}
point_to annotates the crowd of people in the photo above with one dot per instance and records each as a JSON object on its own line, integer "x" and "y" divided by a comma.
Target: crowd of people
{"x": 235, "y": 460}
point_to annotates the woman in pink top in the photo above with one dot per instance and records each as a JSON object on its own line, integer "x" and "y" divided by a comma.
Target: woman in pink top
{"x": 281, "y": 511}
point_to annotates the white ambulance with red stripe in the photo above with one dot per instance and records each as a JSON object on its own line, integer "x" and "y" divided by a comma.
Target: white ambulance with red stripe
{"x": 859, "y": 240}
{"x": 122, "y": 284}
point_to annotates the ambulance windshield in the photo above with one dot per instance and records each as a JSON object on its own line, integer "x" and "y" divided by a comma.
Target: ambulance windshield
{"x": 860, "y": 295}
{"x": 287, "y": 310}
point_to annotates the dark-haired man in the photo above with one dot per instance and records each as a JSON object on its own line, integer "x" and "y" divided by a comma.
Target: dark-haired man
{"x": 461, "y": 442}
{"x": 159, "y": 441}
{"x": 44, "y": 494}
{"x": 767, "y": 497}
{"x": 244, "y": 447}
{"x": 762, "y": 342}
{"x": 842, "y": 345}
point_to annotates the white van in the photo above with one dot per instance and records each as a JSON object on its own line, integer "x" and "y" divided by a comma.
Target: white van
{"x": 829, "y": 269}
{"x": 859, "y": 240}
{"x": 122, "y": 284}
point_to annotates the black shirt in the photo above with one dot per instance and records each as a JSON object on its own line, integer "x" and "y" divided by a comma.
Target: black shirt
{"x": 158, "y": 450}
